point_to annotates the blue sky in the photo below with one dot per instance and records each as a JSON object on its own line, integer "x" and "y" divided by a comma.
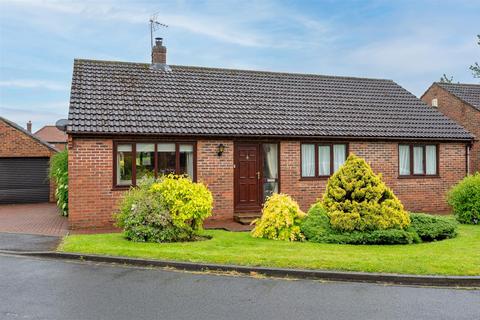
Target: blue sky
{"x": 411, "y": 42}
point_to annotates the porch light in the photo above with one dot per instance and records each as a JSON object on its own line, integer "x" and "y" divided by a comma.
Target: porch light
{"x": 220, "y": 149}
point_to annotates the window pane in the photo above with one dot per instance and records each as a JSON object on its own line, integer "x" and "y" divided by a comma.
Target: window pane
{"x": 270, "y": 169}
{"x": 418, "y": 160}
{"x": 166, "y": 158}
{"x": 324, "y": 160}
{"x": 404, "y": 160}
{"x": 124, "y": 164}
{"x": 308, "y": 160}
{"x": 339, "y": 155}
{"x": 186, "y": 159}
{"x": 431, "y": 164}
{"x": 145, "y": 160}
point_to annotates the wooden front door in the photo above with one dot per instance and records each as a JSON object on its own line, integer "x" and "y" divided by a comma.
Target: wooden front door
{"x": 247, "y": 178}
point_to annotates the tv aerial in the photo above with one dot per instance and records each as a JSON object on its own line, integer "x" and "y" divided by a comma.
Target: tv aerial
{"x": 154, "y": 26}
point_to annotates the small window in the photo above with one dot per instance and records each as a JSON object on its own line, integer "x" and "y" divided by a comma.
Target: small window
{"x": 145, "y": 161}
{"x": 308, "y": 160}
{"x": 166, "y": 158}
{"x": 124, "y": 164}
{"x": 417, "y": 160}
{"x": 136, "y": 161}
{"x": 322, "y": 160}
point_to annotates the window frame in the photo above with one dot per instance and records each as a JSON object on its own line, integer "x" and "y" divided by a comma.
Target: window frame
{"x": 317, "y": 167}
{"x": 155, "y": 143}
{"x": 424, "y": 164}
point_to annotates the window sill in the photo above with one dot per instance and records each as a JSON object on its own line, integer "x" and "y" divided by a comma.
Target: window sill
{"x": 121, "y": 188}
{"x": 314, "y": 178}
{"x": 420, "y": 177}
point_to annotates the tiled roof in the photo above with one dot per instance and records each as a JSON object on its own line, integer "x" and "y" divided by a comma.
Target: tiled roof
{"x": 470, "y": 93}
{"x": 21, "y": 129}
{"x": 131, "y": 98}
{"x": 51, "y": 134}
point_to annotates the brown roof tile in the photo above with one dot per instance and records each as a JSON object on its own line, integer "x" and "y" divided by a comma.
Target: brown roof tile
{"x": 131, "y": 98}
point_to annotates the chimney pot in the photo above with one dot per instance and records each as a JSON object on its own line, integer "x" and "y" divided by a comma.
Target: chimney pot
{"x": 29, "y": 126}
{"x": 159, "y": 52}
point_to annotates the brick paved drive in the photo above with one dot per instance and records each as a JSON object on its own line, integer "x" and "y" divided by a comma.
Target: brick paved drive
{"x": 37, "y": 218}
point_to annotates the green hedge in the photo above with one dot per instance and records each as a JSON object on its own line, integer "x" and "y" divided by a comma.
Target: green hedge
{"x": 465, "y": 199}
{"x": 431, "y": 228}
{"x": 317, "y": 228}
{"x": 59, "y": 173}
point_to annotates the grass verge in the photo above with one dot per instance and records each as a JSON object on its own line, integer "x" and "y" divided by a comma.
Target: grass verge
{"x": 459, "y": 256}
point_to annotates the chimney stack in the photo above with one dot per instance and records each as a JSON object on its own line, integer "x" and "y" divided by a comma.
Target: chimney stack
{"x": 29, "y": 126}
{"x": 159, "y": 52}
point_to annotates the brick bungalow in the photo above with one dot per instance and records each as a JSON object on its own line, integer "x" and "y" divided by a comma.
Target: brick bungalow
{"x": 53, "y": 136}
{"x": 24, "y": 161}
{"x": 247, "y": 134}
{"x": 461, "y": 103}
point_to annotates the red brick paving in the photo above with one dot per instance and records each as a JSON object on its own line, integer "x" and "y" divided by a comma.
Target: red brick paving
{"x": 37, "y": 218}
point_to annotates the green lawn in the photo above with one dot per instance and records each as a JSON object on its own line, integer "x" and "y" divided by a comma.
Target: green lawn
{"x": 459, "y": 256}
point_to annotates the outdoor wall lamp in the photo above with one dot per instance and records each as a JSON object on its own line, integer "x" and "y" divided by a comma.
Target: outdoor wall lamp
{"x": 220, "y": 149}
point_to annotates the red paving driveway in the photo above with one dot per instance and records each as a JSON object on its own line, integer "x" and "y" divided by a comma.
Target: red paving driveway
{"x": 37, "y": 218}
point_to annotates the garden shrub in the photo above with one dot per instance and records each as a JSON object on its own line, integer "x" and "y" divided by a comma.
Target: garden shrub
{"x": 59, "y": 173}
{"x": 356, "y": 199}
{"x": 464, "y": 198}
{"x": 280, "y": 220}
{"x": 144, "y": 217}
{"x": 189, "y": 203}
{"x": 431, "y": 228}
{"x": 316, "y": 228}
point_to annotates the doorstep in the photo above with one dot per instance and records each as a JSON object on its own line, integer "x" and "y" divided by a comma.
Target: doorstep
{"x": 228, "y": 225}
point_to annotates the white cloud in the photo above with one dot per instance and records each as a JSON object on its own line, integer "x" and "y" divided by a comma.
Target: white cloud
{"x": 234, "y": 24}
{"x": 33, "y": 84}
{"x": 40, "y": 115}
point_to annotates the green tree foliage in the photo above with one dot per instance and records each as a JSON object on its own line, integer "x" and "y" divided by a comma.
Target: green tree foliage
{"x": 168, "y": 210}
{"x": 317, "y": 228}
{"x": 357, "y": 200}
{"x": 475, "y": 68}
{"x": 281, "y": 217}
{"x": 59, "y": 173}
{"x": 446, "y": 79}
{"x": 464, "y": 198}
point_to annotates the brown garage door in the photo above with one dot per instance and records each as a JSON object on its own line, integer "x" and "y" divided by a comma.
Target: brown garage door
{"x": 24, "y": 180}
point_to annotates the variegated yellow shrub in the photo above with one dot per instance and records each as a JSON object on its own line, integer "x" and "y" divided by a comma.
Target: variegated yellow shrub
{"x": 357, "y": 199}
{"x": 281, "y": 218}
{"x": 189, "y": 203}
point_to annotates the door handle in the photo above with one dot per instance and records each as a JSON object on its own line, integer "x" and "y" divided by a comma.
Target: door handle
{"x": 258, "y": 175}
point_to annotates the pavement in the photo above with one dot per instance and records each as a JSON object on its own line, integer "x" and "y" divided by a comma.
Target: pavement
{"x": 33, "y": 288}
{"x": 28, "y": 242}
{"x": 35, "y": 218}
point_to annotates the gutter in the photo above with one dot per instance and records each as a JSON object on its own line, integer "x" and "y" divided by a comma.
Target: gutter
{"x": 399, "y": 279}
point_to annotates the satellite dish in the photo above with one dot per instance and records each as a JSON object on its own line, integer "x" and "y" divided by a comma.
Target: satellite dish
{"x": 62, "y": 125}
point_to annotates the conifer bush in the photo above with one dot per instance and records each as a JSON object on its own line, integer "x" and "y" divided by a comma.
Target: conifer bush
{"x": 356, "y": 199}
{"x": 280, "y": 220}
{"x": 59, "y": 173}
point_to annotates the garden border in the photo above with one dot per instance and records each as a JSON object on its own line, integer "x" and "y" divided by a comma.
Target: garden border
{"x": 402, "y": 279}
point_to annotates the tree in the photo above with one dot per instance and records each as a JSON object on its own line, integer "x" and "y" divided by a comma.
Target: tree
{"x": 475, "y": 68}
{"x": 357, "y": 199}
{"x": 446, "y": 79}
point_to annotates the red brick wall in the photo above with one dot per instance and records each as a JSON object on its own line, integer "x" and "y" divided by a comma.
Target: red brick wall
{"x": 461, "y": 112}
{"x": 417, "y": 194}
{"x": 15, "y": 143}
{"x": 92, "y": 200}
{"x": 217, "y": 173}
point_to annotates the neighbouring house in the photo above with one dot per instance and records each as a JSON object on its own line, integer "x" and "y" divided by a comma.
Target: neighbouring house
{"x": 461, "y": 103}
{"x": 24, "y": 162}
{"x": 53, "y": 136}
{"x": 247, "y": 134}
